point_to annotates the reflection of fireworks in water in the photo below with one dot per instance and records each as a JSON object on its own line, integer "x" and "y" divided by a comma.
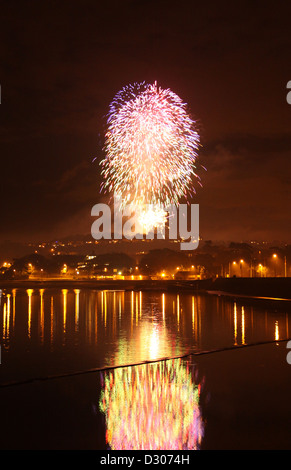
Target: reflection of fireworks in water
{"x": 152, "y": 407}
{"x": 151, "y": 147}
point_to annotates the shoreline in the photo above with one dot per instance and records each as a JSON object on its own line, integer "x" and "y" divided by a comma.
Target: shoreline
{"x": 276, "y": 289}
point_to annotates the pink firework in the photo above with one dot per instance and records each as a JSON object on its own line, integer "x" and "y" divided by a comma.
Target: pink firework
{"x": 151, "y": 146}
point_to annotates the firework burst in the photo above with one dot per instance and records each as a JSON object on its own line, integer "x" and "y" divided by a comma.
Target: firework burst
{"x": 151, "y": 147}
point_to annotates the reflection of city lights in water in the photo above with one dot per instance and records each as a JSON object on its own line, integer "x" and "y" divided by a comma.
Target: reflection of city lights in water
{"x": 41, "y": 291}
{"x": 8, "y": 313}
{"x": 52, "y": 320}
{"x": 151, "y": 341}
{"x": 277, "y": 330}
{"x": 235, "y": 323}
{"x": 152, "y": 407}
{"x": 13, "y": 296}
{"x": 29, "y": 293}
{"x": 77, "y": 307}
{"x": 65, "y": 293}
{"x": 243, "y": 325}
{"x": 154, "y": 343}
{"x": 4, "y": 321}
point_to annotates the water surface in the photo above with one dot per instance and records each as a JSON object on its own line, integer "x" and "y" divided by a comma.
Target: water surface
{"x": 169, "y": 404}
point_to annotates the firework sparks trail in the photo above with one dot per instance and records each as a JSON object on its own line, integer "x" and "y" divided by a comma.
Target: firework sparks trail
{"x": 155, "y": 407}
{"x": 151, "y": 148}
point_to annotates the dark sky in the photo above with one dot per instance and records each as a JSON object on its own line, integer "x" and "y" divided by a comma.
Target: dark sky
{"x": 61, "y": 63}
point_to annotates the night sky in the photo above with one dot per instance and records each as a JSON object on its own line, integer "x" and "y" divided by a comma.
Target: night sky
{"x": 61, "y": 64}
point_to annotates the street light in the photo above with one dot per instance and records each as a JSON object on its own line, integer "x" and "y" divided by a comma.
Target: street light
{"x": 64, "y": 269}
{"x": 241, "y": 265}
{"x": 275, "y": 263}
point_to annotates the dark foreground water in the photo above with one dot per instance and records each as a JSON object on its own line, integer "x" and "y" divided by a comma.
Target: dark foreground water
{"x": 233, "y": 397}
